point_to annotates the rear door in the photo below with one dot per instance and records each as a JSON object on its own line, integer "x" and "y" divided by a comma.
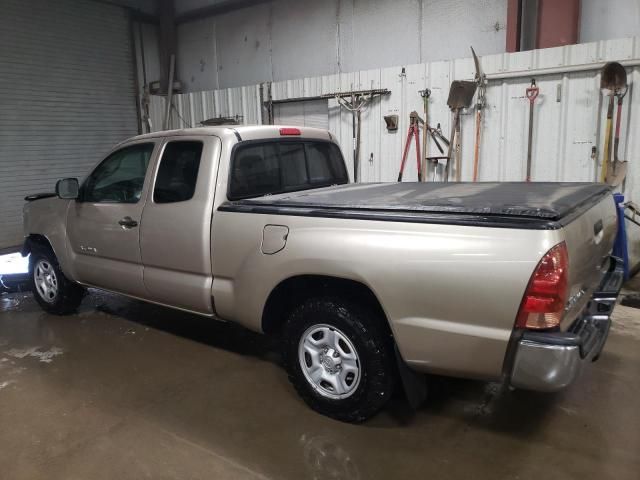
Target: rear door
{"x": 175, "y": 235}
{"x": 103, "y": 224}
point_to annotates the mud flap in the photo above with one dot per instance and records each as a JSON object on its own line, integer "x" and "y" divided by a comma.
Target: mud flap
{"x": 414, "y": 383}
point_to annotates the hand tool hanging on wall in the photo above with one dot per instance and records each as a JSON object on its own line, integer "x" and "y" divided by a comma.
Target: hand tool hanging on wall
{"x": 617, "y": 174}
{"x": 460, "y": 96}
{"x": 531, "y": 93}
{"x": 355, "y": 101}
{"x": 435, "y": 133}
{"x": 614, "y": 79}
{"x": 613, "y": 75}
{"x": 425, "y": 94}
{"x": 413, "y": 133}
{"x": 481, "y": 79}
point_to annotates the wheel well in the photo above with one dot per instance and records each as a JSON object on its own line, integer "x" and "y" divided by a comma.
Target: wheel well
{"x": 36, "y": 241}
{"x": 291, "y": 292}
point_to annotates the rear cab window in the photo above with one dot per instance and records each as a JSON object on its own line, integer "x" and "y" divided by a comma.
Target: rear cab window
{"x": 270, "y": 167}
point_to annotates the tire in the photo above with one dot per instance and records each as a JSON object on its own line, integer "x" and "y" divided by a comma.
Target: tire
{"x": 334, "y": 334}
{"x": 54, "y": 292}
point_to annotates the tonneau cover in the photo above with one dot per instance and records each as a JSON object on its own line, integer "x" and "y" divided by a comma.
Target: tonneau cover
{"x": 542, "y": 200}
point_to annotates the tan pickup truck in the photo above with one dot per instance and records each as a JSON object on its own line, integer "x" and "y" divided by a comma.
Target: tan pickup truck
{"x": 366, "y": 284}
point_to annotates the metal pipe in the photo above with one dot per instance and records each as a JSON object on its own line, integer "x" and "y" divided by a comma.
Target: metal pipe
{"x": 167, "y": 112}
{"x": 299, "y": 99}
{"x": 632, "y": 220}
{"x": 587, "y": 67}
{"x": 134, "y": 65}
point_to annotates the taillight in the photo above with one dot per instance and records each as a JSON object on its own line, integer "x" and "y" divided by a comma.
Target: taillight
{"x": 289, "y": 131}
{"x": 543, "y": 302}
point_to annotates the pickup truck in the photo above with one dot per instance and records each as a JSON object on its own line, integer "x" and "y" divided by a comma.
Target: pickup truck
{"x": 368, "y": 286}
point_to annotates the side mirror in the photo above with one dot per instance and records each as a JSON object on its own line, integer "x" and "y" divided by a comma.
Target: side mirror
{"x": 68, "y": 188}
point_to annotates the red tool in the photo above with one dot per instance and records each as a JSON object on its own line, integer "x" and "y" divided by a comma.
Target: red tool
{"x": 414, "y": 131}
{"x": 532, "y": 94}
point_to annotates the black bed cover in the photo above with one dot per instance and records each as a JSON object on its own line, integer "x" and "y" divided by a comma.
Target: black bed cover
{"x": 532, "y": 205}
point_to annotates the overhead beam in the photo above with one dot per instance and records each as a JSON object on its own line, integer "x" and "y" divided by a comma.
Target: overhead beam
{"x": 136, "y": 14}
{"x": 217, "y": 9}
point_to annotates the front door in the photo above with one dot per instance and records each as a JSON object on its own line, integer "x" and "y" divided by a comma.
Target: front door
{"x": 103, "y": 224}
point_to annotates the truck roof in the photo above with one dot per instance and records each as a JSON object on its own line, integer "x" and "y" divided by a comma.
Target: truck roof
{"x": 244, "y": 132}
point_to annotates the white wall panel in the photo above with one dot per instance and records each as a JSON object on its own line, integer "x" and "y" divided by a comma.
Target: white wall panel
{"x": 313, "y": 113}
{"x": 604, "y": 20}
{"x": 283, "y": 39}
{"x": 567, "y": 123}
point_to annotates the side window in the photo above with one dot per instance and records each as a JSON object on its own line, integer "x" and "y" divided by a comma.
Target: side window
{"x": 120, "y": 177}
{"x": 276, "y": 167}
{"x": 178, "y": 172}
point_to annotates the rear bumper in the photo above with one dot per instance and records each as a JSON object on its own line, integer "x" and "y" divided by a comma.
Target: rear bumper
{"x": 550, "y": 361}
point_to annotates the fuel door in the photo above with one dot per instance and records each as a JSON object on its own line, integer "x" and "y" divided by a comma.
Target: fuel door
{"x": 274, "y": 238}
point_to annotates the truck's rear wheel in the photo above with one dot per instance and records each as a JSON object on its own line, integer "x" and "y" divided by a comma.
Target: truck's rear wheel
{"x": 339, "y": 358}
{"x": 54, "y": 292}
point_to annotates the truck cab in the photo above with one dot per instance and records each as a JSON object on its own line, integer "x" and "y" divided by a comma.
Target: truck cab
{"x": 125, "y": 230}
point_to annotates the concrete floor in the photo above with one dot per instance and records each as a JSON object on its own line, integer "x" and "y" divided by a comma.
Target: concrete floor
{"x": 128, "y": 390}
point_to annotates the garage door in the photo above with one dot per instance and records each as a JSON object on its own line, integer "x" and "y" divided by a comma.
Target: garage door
{"x": 313, "y": 113}
{"x": 66, "y": 96}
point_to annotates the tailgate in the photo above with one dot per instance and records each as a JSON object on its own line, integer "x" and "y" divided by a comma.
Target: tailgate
{"x": 589, "y": 238}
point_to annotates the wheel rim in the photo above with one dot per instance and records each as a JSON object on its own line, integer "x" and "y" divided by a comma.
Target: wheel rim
{"x": 329, "y": 361}
{"x": 46, "y": 281}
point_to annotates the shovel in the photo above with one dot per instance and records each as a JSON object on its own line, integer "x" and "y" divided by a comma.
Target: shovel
{"x": 531, "y": 93}
{"x": 616, "y": 175}
{"x": 460, "y": 96}
{"x": 481, "y": 79}
{"x": 614, "y": 79}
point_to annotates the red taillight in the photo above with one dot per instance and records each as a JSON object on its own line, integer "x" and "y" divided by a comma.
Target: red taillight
{"x": 543, "y": 302}
{"x": 289, "y": 131}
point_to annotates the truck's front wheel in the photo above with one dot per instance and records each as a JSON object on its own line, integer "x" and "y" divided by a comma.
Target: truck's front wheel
{"x": 339, "y": 358}
{"x": 54, "y": 292}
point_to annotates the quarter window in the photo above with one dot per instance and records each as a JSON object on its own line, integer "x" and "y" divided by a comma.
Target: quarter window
{"x": 178, "y": 172}
{"x": 120, "y": 177}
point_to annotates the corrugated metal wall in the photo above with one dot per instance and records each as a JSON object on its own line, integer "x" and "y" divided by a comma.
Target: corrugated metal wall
{"x": 568, "y": 122}
{"x": 66, "y": 96}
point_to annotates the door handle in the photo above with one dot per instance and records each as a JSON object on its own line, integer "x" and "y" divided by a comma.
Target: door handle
{"x": 128, "y": 222}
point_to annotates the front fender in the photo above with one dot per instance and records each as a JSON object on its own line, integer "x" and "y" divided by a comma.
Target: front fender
{"x": 45, "y": 221}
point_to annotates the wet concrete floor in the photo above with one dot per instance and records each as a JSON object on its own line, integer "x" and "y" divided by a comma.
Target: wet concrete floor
{"x": 127, "y": 390}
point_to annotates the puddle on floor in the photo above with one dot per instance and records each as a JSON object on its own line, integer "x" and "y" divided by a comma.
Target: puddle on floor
{"x": 45, "y": 356}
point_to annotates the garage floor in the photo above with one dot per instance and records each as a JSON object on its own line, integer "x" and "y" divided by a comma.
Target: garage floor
{"x": 128, "y": 390}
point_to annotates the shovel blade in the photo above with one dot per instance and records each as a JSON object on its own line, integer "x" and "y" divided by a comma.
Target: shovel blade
{"x": 461, "y": 94}
{"x": 613, "y": 77}
{"x": 616, "y": 173}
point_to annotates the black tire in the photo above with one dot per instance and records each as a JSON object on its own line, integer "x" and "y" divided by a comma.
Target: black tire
{"x": 68, "y": 295}
{"x": 374, "y": 349}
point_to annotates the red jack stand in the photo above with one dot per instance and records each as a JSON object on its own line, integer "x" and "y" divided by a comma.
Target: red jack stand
{"x": 414, "y": 131}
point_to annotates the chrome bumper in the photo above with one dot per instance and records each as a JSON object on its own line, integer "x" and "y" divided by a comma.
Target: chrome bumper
{"x": 550, "y": 361}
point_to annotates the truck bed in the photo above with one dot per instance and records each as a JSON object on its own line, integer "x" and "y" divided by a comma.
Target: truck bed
{"x": 543, "y": 205}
